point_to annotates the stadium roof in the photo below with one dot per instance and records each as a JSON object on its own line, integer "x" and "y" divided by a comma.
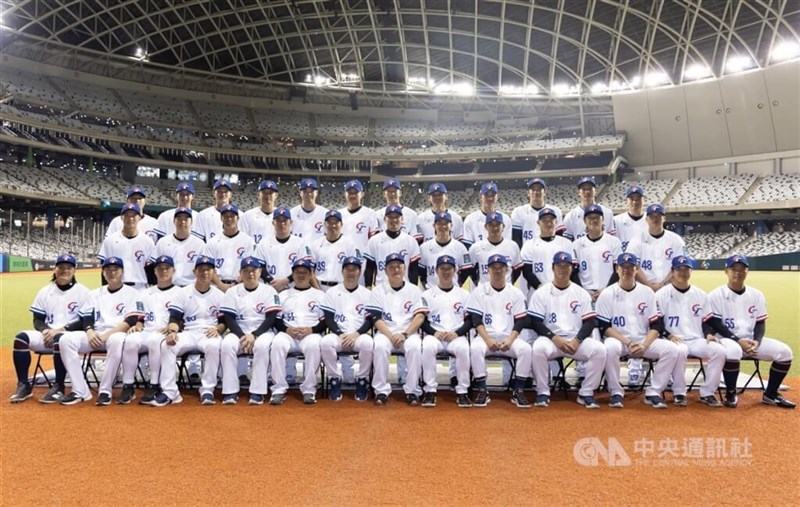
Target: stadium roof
{"x": 488, "y": 50}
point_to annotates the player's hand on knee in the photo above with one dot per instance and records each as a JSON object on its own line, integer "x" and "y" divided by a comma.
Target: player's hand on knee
{"x": 749, "y": 347}
{"x": 636, "y": 350}
{"x": 712, "y": 338}
{"x": 246, "y": 342}
{"x": 348, "y": 340}
{"x": 211, "y": 332}
{"x": 571, "y": 346}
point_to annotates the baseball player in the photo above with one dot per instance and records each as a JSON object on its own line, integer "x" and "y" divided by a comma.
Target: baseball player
{"x": 228, "y": 248}
{"x": 55, "y": 310}
{"x": 437, "y": 197}
{"x": 739, "y": 317}
{"x": 208, "y": 223}
{"x": 495, "y": 243}
{"x": 182, "y": 246}
{"x": 446, "y": 326}
{"x": 349, "y": 321}
{"x": 398, "y": 309}
{"x": 359, "y": 222}
{"x": 300, "y": 326}
{"x": 595, "y": 252}
{"x": 308, "y": 217}
{"x": 536, "y": 255}
{"x": 184, "y": 197}
{"x": 277, "y": 254}
{"x": 562, "y": 315}
{"x": 250, "y": 310}
{"x": 327, "y": 252}
{"x": 392, "y": 240}
{"x": 631, "y": 224}
{"x": 392, "y": 194}
{"x": 106, "y": 315}
{"x": 574, "y": 225}
{"x": 498, "y": 313}
{"x": 684, "y": 309}
{"x": 131, "y": 245}
{"x": 443, "y": 244}
{"x": 195, "y": 325}
{"x": 148, "y": 225}
{"x": 257, "y": 222}
{"x": 630, "y": 322}
{"x": 147, "y": 336}
{"x": 525, "y": 218}
{"x": 474, "y": 224}
{"x": 656, "y": 249}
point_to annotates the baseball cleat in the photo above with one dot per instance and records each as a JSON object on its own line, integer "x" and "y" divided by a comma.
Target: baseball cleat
{"x": 54, "y": 395}
{"x": 615, "y": 401}
{"x": 381, "y": 400}
{"x": 230, "y": 399}
{"x": 711, "y": 401}
{"x": 412, "y": 400}
{"x": 429, "y": 400}
{"x": 463, "y": 401}
{"x": 277, "y": 399}
{"x": 777, "y": 401}
{"x": 128, "y": 395}
{"x": 207, "y": 399}
{"x": 542, "y": 400}
{"x": 162, "y": 400}
{"x": 655, "y": 401}
{"x": 731, "y": 400}
{"x": 520, "y": 400}
{"x": 150, "y": 395}
{"x": 73, "y": 399}
{"x": 481, "y": 399}
{"x": 453, "y": 383}
{"x": 24, "y": 391}
{"x": 309, "y": 399}
{"x": 588, "y": 402}
{"x": 256, "y": 399}
{"x": 361, "y": 389}
{"x": 336, "y": 389}
{"x": 680, "y": 400}
{"x": 103, "y": 399}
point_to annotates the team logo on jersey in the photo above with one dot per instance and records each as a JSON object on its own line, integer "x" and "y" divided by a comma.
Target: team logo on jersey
{"x": 312, "y": 305}
{"x": 72, "y": 306}
{"x": 120, "y": 308}
{"x": 292, "y": 257}
{"x": 139, "y": 255}
{"x": 239, "y": 252}
{"x": 191, "y": 255}
{"x": 213, "y": 310}
{"x": 261, "y": 308}
{"x": 642, "y": 308}
{"x": 574, "y": 306}
{"x": 606, "y": 256}
{"x": 404, "y": 253}
{"x": 318, "y": 227}
{"x": 752, "y": 310}
{"x": 508, "y": 308}
{"x": 360, "y": 309}
{"x": 458, "y": 307}
{"x": 696, "y": 309}
{"x": 407, "y": 306}
{"x": 668, "y": 253}
{"x": 340, "y": 256}
{"x": 360, "y": 227}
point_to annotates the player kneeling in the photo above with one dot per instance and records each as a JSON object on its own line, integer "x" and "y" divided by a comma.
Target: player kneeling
{"x": 250, "y": 310}
{"x": 631, "y": 325}
{"x": 446, "y": 327}
{"x": 349, "y": 322}
{"x": 561, "y": 314}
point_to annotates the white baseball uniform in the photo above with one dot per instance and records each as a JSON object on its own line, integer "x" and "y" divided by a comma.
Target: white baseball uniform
{"x": 596, "y": 260}
{"x": 350, "y": 313}
{"x": 480, "y": 252}
{"x": 228, "y": 252}
{"x": 360, "y": 225}
{"x": 425, "y": 225}
{"x": 397, "y": 308}
{"x": 58, "y": 308}
{"x": 525, "y": 218}
{"x": 575, "y": 227}
{"x": 539, "y": 253}
{"x": 327, "y": 257}
{"x": 629, "y": 228}
{"x": 308, "y": 225}
{"x": 381, "y": 245}
{"x": 147, "y": 225}
{"x": 135, "y": 253}
{"x": 409, "y": 221}
{"x": 564, "y": 311}
{"x": 475, "y": 227}
{"x": 257, "y": 224}
{"x": 447, "y": 311}
{"x": 656, "y": 253}
{"x": 278, "y": 255}
{"x": 183, "y": 253}
{"x": 631, "y": 313}
{"x": 208, "y": 223}
{"x": 432, "y": 250}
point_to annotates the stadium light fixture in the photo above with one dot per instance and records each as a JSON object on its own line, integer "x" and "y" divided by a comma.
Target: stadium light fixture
{"x": 697, "y": 71}
{"x": 463, "y": 89}
{"x": 140, "y": 53}
{"x": 785, "y": 50}
{"x": 656, "y": 78}
{"x": 599, "y": 88}
{"x": 519, "y": 91}
{"x": 738, "y": 64}
{"x": 564, "y": 89}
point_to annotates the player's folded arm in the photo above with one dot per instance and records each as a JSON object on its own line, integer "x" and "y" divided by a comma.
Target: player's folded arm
{"x": 589, "y": 324}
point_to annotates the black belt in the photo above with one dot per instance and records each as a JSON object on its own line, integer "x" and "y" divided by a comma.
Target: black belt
{"x": 228, "y": 282}
{"x": 328, "y": 284}
{"x": 130, "y": 284}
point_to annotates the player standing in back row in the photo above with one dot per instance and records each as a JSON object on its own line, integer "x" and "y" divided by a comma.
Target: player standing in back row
{"x": 574, "y": 226}
{"x": 525, "y": 218}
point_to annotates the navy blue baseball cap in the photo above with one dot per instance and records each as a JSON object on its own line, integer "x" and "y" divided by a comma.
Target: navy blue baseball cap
{"x": 737, "y": 259}
{"x": 354, "y": 185}
{"x": 130, "y": 207}
{"x": 494, "y": 259}
{"x": 587, "y": 179}
{"x": 67, "y": 259}
{"x": 184, "y": 186}
{"x": 250, "y": 262}
{"x": 229, "y": 208}
{"x": 443, "y": 215}
{"x": 308, "y": 183}
{"x": 136, "y": 190}
{"x": 446, "y": 259}
{"x": 351, "y": 261}
{"x": 547, "y": 211}
{"x": 281, "y": 212}
{"x": 394, "y": 208}
{"x": 112, "y": 261}
{"x": 656, "y": 208}
{"x": 164, "y": 259}
{"x": 681, "y": 261}
{"x": 205, "y": 260}
{"x": 593, "y": 209}
{"x": 394, "y": 257}
{"x": 185, "y": 211}
{"x": 437, "y": 187}
{"x": 627, "y": 258}
{"x": 303, "y": 263}
{"x": 222, "y": 183}
{"x": 562, "y": 258}
{"x": 494, "y": 216}
{"x": 634, "y": 189}
{"x": 536, "y": 181}
{"x": 391, "y": 182}
{"x": 268, "y": 185}
{"x": 333, "y": 214}
{"x": 488, "y": 187}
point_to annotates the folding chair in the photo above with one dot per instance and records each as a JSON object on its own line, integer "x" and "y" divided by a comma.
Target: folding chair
{"x": 39, "y": 369}
{"x": 560, "y": 380}
{"x": 756, "y": 373}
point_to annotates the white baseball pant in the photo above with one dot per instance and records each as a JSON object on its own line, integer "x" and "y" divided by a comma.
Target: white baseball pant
{"x": 189, "y": 341}
{"x": 75, "y": 343}
{"x": 459, "y": 348}
{"x": 229, "y": 361}
{"x": 137, "y": 343}
{"x": 282, "y": 345}
{"x": 591, "y": 351}
{"x": 663, "y": 351}
{"x": 412, "y": 350}
{"x": 769, "y": 350}
{"x": 520, "y": 350}
{"x": 713, "y": 355}
{"x": 331, "y": 345}
{"x": 35, "y": 341}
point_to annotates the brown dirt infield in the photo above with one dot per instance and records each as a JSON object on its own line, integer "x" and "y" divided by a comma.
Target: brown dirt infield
{"x": 358, "y": 454}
